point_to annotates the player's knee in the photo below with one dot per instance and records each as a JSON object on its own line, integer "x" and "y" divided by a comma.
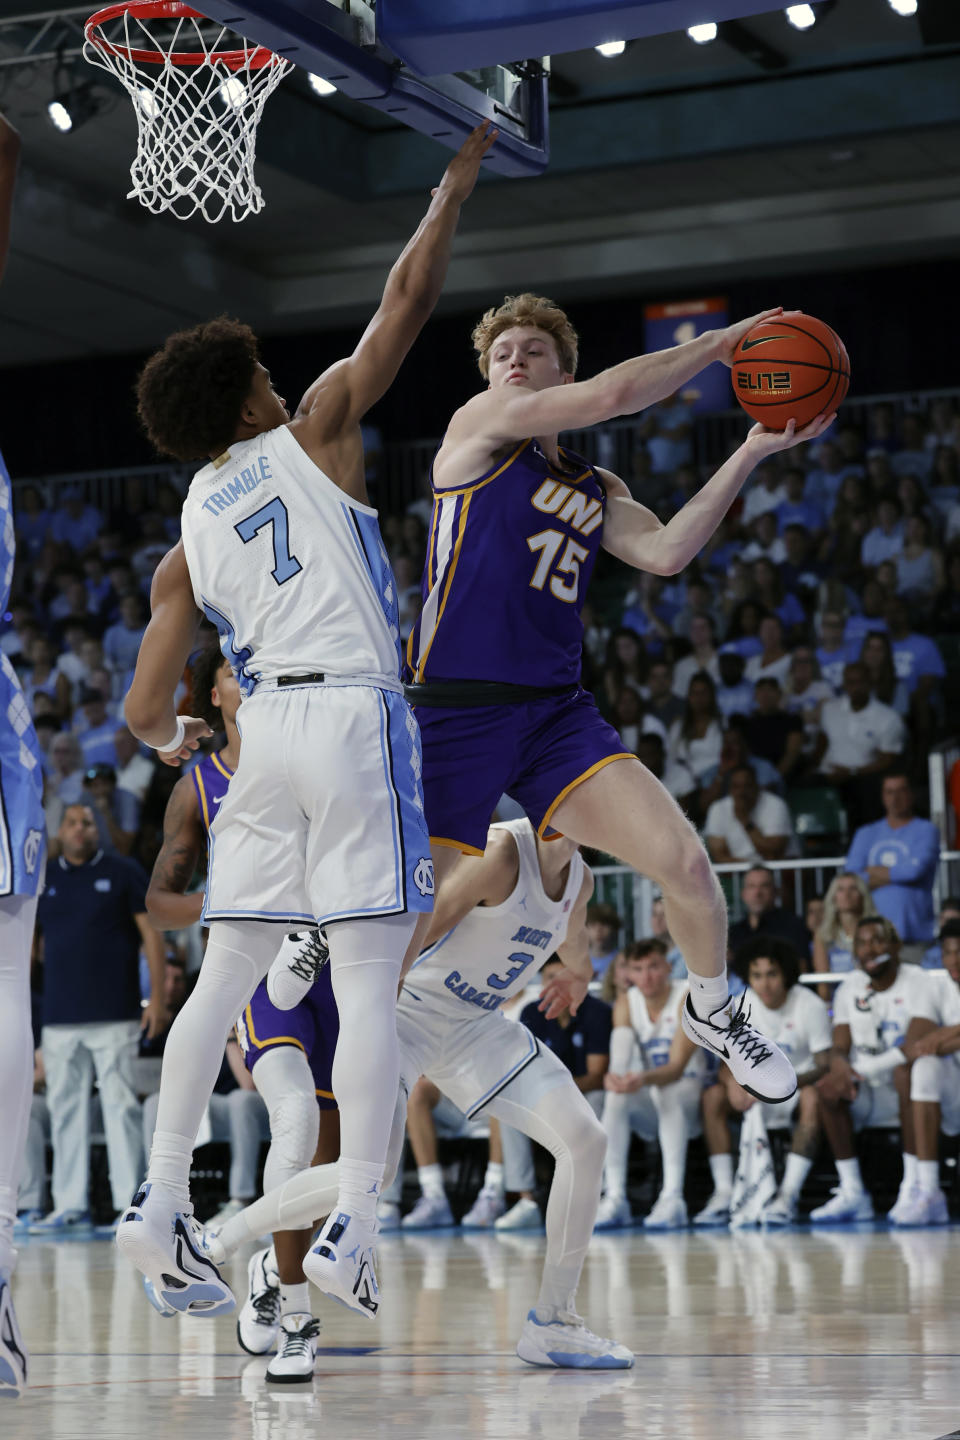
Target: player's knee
{"x": 591, "y": 1139}
{"x": 690, "y": 878}
{"x": 807, "y": 1106}
{"x": 294, "y": 1128}
{"x": 925, "y": 1079}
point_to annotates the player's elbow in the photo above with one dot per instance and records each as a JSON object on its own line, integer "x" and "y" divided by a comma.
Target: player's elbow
{"x": 156, "y": 910}
{"x": 141, "y": 712}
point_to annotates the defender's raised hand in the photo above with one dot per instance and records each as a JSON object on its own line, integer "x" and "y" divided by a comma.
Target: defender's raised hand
{"x": 461, "y": 174}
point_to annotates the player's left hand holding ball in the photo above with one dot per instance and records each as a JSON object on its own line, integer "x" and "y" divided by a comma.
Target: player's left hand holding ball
{"x": 767, "y": 442}
{"x": 193, "y": 732}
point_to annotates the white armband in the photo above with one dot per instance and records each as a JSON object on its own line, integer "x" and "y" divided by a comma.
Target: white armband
{"x": 176, "y": 741}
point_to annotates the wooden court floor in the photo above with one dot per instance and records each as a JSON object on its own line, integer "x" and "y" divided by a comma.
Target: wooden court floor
{"x": 833, "y": 1335}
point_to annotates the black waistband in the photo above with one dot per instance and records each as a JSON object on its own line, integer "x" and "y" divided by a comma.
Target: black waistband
{"x": 465, "y": 694}
{"x": 314, "y": 678}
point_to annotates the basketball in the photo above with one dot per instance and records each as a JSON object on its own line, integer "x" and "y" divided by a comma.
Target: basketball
{"x": 790, "y": 370}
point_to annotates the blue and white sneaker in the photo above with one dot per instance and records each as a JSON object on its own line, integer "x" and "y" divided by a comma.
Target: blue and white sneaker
{"x": 613, "y": 1213}
{"x": 161, "y": 1306}
{"x": 25, "y": 1219}
{"x": 342, "y": 1263}
{"x": 13, "y": 1352}
{"x": 62, "y": 1222}
{"x": 565, "y": 1343}
{"x": 163, "y": 1242}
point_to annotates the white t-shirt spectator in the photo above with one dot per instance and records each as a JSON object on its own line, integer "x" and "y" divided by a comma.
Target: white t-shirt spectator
{"x": 775, "y": 670}
{"x": 941, "y": 1004}
{"x": 698, "y": 756}
{"x": 759, "y": 500}
{"x": 856, "y": 737}
{"x": 879, "y": 1019}
{"x": 801, "y": 1027}
{"x": 770, "y": 815}
{"x": 649, "y": 725}
{"x": 685, "y": 669}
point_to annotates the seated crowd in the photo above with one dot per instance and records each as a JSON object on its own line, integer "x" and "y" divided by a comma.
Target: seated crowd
{"x": 798, "y": 663}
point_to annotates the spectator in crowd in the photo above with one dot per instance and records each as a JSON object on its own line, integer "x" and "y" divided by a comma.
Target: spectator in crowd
{"x": 869, "y": 1080}
{"x": 911, "y": 456}
{"x": 702, "y": 659}
{"x": 919, "y": 566}
{"x": 804, "y": 696}
{"x": 873, "y": 599}
{"x": 848, "y": 901}
{"x": 582, "y": 1043}
{"x": 765, "y": 543}
{"x": 699, "y": 601}
{"x": 800, "y": 571}
{"x": 616, "y": 979}
{"x": 795, "y": 508}
{"x": 919, "y": 665}
{"x": 603, "y": 936}
{"x": 735, "y": 752}
{"x": 749, "y": 824}
{"x": 933, "y": 1049}
{"x": 765, "y": 916}
{"x": 33, "y": 519}
{"x": 885, "y": 540}
{"x": 862, "y": 738}
{"x": 646, "y": 612}
{"x": 799, "y": 1023}
{"x": 897, "y": 857}
{"x": 765, "y": 491}
{"x": 662, "y": 703}
{"x": 946, "y": 616}
{"x": 666, "y": 431}
{"x": 134, "y": 771}
{"x": 93, "y": 919}
{"x": 121, "y": 641}
{"x": 96, "y": 740}
{"x": 771, "y": 593}
{"x": 813, "y": 914}
{"x": 734, "y": 692}
{"x": 774, "y": 658}
{"x": 697, "y": 739}
{"x": 653, "y": 1088}
{"x": 74, "y": 523}
{"x": 949, "y": 910}
{"x": 660, "y": 931}
{"x": 626, "y": 664}
{"x": 743, "y": 631}
{"x": 676, "y": 776}
{"x": 832, "y": 653}
{"x": 45, "y": 678}
{"x": 64, "y": 782}
{"x": 116, "y": 811}
{"x": 877, "y": 655}
{"x": 771, "y": 731}
{"x": 631, "y": 719}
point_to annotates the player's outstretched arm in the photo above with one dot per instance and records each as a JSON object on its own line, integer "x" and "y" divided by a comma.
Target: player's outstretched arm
{"x": 635, "y": 535}
{"x": 495, "y": 417}
{"x": 567, "y": 989}
{"x": 164, "y": 651}
{"x": 344, "y": 393}
{"x": 485, "y": 879}
{"x": 168, "y": 906}
{"x": 9, "y": 158}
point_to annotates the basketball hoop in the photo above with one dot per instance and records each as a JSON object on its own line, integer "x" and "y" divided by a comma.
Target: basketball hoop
{"x": 198, "y": 99}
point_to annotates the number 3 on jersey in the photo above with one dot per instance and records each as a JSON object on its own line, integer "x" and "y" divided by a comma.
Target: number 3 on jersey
{"x": 548, "y": 542}
{"x": 285, "y": 565}
{"x": 520, "y": 963}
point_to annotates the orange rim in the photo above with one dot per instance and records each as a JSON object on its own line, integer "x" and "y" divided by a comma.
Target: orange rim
{"x": 169, "y": 10}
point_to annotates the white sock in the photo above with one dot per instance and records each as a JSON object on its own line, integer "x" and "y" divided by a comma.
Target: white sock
{"x": 928, "y": 1176}
{"x": 798, "y": 1168}
{"x": 721, "y": 1168}
{"x": 910, "y": 1176}
{"x": 431, "y": 1181}
{"x": 493, "y": 1179}
{"x": 360, "y": 1186}
{"x": 170, "y": 1157}
{"x": 708, "y": 992}
{"x": 851, "y": 1181}
{"x": 295, "y": 1299}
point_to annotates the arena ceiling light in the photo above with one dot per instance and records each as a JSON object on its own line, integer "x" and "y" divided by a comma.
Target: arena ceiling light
{"x": 72, "y": 108}
{"x": 319, "y": 86}
{"x": 801, "y": 17}
{"x": 903, "y": 7}
{"x": 703, "y": 34}
{"x": 609, "y": 48}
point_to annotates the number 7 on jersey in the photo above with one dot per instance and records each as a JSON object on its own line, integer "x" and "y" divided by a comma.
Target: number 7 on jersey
{"x": 285, "y": 565}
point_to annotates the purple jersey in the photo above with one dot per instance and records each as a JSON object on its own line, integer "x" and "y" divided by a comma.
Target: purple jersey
{"x": 508, "y": 564}
{"x": 210, "y": 780}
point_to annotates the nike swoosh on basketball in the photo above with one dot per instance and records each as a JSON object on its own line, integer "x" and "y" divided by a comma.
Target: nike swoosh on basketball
{"x": 761, "y": 340}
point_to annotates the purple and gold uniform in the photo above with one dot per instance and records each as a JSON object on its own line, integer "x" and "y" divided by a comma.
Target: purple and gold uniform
{"x": 494, "y": 659}
{"x": 312, "y": 1026}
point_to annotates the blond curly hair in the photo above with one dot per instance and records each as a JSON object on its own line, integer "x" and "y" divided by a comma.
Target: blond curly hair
{"x": 526, "y": 309}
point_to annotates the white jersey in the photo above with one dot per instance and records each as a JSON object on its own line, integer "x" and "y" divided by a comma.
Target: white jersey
{"x": 941, "y": 1004}
{"x": 487, "y": 958}
{"x": 289, "y": 568}
{"x": 879, "y": 1019}
{"x": 801, "y": 1027}
{"x": 656, "y": 1036}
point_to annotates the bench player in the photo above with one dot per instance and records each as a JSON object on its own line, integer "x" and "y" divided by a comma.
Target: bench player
{"x": 323, "y": 821}
{"x": 289, "y": 1053}
{"x": 495, "y": 655}
{"x": 498, "y": 918}
{"x": 22, "y": 864}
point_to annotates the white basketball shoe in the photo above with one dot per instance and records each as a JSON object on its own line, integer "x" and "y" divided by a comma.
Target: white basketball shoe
{"x": 342, "y": 1263}
{"x": 753, "y": 1060}
{"x": 485, "y": 1211}
{"x": 296, "y": 1352}
{"x": 13, "y": 1353}
{"x": 781, "y": 1210}
{"x": 844, "y": 1207}
{"x": 669, "y": 1213}
{"x": 295, "y": 970}
{"x": 258, "y": 1324}
{"x": 613, "y": 1213}
{"x": 564, "y": 1342}
{"x": 716, "y": 1213}
{"x": 924, "y": 1207}
{"x": 163, "y": 1241}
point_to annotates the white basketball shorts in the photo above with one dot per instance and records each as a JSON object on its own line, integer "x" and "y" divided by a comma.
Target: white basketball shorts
{"x": 472, "y": 1058}
{"x": 323, "y": 819}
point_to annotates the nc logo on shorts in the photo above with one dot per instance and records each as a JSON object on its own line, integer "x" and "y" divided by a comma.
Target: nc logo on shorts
{"x": 31, "y": 850}
{"x": 423, "y": 876}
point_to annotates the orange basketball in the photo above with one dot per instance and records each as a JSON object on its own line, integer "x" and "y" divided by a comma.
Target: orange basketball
{"x": 790, "y": 370}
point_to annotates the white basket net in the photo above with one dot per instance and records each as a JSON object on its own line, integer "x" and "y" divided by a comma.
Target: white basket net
{"x": 198, "y": 92}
